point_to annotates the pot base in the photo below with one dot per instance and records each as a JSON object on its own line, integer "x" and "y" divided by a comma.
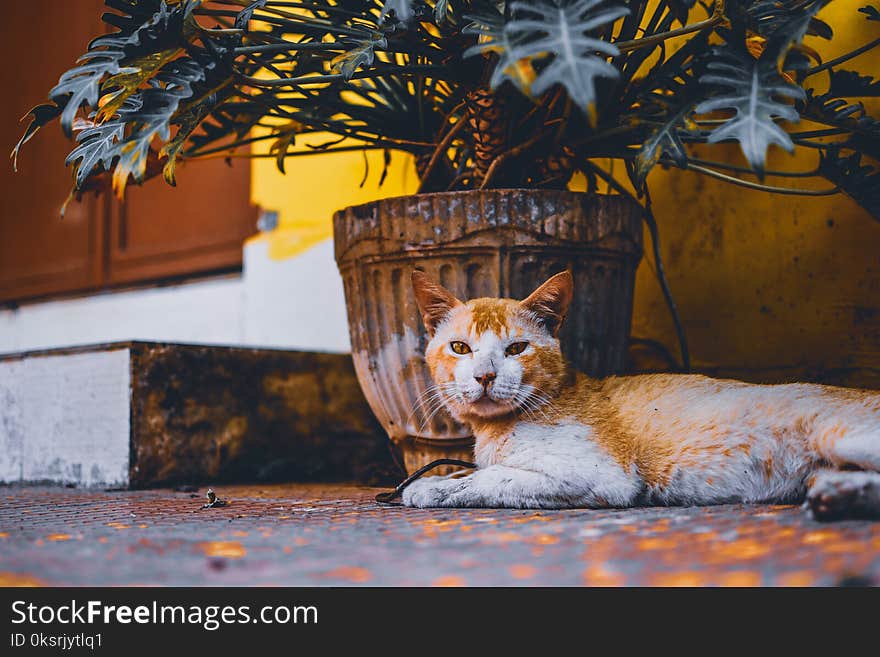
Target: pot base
{"x": 418, "y": 452}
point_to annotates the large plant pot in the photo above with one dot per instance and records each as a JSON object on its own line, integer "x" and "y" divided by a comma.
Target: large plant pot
{"x": 497, "y": 243}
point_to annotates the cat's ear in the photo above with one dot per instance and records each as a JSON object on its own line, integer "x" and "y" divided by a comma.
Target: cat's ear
{"x": 550, "y": 301}
{"x": 434, "y": 300}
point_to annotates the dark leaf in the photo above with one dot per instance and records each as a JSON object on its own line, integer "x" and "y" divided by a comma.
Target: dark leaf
{"x": 859, "y": 181}
{"x": 441, "y": 10}
{"x": 680, "y": 9}
{"x": 495, "y": 38}
{"x": 663, "y": 140}
{"x": 871, "y": 12}
{"x": 361, "y": 56}
{"x": 865, "y": 130}
{"x": 97, "y": 148}
{"x": 142, "y": 27}
{"x": 153, "y": 117}
{"x": 403, "y": 9}
{"x": 850, "y": 84}
{"x": 40, "y": 115}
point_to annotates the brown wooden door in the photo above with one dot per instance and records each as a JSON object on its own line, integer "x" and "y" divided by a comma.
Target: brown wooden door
{"x": 158, "y": 232}
{"x": 40, "y": 253}
{"x": 161, "y": 231}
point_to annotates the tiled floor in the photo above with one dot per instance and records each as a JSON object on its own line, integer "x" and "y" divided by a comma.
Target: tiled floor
{"x": 337, "y": 535}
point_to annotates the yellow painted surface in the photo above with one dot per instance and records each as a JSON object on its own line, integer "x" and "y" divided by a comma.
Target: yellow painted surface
{"x": 770, "y": 287}
{"x": 315, "y": 186}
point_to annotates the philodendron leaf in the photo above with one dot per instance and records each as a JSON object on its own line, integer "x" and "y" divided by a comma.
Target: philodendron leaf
{"x": 362, "y": 55}
{"x": 286, "y": 138}
{"x": 81, "y": 85}
{"x": 441, "y": 10}
{"x": 495, "y": 38}
{"x": 151, "y": 118}
{"x": 97, "y": 147}
{"x": 664, "y": 140}
{"x": 860, "y": 181}
{"x": 126, "y": 83}
{"x": 851, "y": 84}
{"x": 41, "y": 115}
{"x": 783, "y": 26}
{"x": 402, "y": 9}
{"x": 871, "y": 12}
{"x": 853, "y": 117}
{"x": 561, "y": 29}
{"x": 141, "y": 26}
{"x": 109, "y": 55}
{"x": 753, "y": 88}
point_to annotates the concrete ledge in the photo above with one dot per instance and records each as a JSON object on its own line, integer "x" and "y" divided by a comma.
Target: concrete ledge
{"x": 140, "y": 414}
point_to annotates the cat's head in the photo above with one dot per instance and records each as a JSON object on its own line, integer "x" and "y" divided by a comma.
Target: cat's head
{"x": 491, "y": 358}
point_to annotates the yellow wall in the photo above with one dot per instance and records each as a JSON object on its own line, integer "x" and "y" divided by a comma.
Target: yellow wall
{"x": 315, "y": 186}
{"x": 770, "y": 287}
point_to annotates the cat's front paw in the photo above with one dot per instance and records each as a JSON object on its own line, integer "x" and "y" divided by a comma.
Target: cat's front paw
{"x": 429, "y": 492}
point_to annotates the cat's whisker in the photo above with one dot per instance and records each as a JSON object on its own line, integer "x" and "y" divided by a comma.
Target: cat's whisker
{"x": 436, "y": 402}
{"x": 533, "y": 400}
{"x": 428, "y": 419}
{"x": 429, "y": 397}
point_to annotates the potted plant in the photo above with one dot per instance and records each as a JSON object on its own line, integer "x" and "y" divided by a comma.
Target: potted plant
{"x": 500, "y": 103}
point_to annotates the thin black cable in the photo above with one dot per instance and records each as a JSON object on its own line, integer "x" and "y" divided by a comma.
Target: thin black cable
{"x": 648, "y": 216}
{"x": 386, "y": 498}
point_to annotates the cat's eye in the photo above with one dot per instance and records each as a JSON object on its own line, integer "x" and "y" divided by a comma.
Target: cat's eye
{"x": 516, "y": 348}
{"x": 459, "y": 348}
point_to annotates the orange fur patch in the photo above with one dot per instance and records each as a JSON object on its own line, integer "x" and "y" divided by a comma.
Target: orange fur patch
{"x": 489, "y": 315}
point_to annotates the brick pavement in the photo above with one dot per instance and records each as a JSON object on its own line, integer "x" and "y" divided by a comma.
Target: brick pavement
{"x": 336, "y": 535}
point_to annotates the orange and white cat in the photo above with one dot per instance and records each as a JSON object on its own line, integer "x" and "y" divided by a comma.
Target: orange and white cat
{"x": 548, "y": 436}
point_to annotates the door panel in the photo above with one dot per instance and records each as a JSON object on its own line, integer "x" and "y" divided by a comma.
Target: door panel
{"x": 158, "y": 232}
{"x": 161, "y": 231}
{"x": 39, "y": 252}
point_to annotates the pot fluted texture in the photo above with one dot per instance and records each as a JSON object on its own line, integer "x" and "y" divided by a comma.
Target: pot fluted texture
{"x": 494, "y": 243}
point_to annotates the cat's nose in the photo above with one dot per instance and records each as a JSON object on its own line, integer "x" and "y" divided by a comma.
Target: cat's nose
{"x": 486, "y": 379}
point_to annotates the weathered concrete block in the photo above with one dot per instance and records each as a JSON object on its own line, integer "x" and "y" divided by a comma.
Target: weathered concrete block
{"x": 142, "y": 414}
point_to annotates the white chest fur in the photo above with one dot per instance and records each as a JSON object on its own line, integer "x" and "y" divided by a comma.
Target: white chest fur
{"x": 566, "y": 454}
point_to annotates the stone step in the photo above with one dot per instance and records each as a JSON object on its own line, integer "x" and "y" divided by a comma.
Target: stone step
{"x": 142, "y": 414}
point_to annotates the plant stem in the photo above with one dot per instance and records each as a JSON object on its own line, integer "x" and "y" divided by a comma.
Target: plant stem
{"x": 333, "y": 77}
{"x": 254, "y": 156}
{"x": 716, "y": 17}
{"x": 660, "y": 270}
{"x": 764, "y": 188}
{"x": 843, "y": 58}
{"x": 732, "y": 167}
{"x": 513, "y": 152}
{"x": 664, "y": 283}
{"x": 442, "y": 147}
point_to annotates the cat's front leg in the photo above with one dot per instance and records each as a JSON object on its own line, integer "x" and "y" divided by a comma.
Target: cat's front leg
{"x": 430, "y": 492}
{"x": 499, "y": 486}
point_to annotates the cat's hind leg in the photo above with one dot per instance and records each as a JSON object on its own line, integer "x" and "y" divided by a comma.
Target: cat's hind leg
{"x": 840, "y": 494}
{"x": 846, "y": 432}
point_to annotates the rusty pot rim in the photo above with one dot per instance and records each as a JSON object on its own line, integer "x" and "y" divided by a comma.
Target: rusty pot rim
{"x": 531, "y": 191}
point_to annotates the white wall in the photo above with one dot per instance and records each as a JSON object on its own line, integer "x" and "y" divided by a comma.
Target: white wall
{"x": 296, "y": 303}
